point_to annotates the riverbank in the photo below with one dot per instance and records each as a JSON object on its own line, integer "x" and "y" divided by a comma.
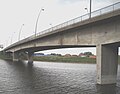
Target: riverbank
{"x": 65, "y": 59}
{"x": 71, "y": 59}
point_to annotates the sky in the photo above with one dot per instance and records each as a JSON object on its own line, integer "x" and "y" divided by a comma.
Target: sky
{"x": 15, "y": 13}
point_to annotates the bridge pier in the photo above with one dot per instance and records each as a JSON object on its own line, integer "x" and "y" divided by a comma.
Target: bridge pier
{"x": 15, "y": 56}
{"x": 30, "y": 57}
{"x": 107, "y": 63}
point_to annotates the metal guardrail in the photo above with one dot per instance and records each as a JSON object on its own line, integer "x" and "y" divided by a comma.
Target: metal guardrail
{"x": 99, "y": 12}
{"x": 81, "y": 18}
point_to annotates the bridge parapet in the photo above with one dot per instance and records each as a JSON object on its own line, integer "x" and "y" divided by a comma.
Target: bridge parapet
{"x": 95, "y": 13}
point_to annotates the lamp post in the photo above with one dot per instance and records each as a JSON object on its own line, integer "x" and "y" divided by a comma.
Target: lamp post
{"x": 12, "y": 37}
{"x": 37, "y": 21}
{"x": 20, "y": 32}
{"x": 51, "y": 26}
{"x": 86, "y": 9}
{"x": 90, "y": 8}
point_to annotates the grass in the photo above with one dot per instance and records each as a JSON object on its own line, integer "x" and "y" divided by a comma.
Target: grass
{"x": 72, "y": 59}
{"x": 68, "y": 59}
{"x": 65, "y": 59}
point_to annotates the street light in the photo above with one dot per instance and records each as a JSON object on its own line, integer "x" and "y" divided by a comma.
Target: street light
{"x": 86, "y": 9}
{"x": 20, "y": 32}
{"x": 8, "y": 41}
{"x": 51, "y": 26}
{"x": 37, "y": 21}
{"x": 90, "y": 8}
{"x": 12, "y": 37}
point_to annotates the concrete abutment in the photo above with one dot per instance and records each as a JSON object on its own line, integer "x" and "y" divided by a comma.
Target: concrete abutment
{"x": 30, "y": 57}
{"x": 107, "y": 63}
{"x": 15, "y": 56}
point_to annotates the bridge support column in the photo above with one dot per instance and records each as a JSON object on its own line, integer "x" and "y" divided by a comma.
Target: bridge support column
{"x": 107, "y": 63}
{"x": 30, "y": 57}
{"x": 15, "y": 56}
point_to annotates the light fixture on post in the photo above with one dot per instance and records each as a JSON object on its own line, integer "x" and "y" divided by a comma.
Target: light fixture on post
{"x": 86, "y": 9}
{"x": 37, "y": 20}
{"x": 51, "y": 26}
{"x": 20, "y": 32}
{"x": 90, "y": 8}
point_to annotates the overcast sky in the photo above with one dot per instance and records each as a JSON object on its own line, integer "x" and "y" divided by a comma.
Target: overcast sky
{"x": 14, "y": 13}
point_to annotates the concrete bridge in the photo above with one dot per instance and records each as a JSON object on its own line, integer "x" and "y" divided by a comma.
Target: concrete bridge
{"x": 102, "y": 31}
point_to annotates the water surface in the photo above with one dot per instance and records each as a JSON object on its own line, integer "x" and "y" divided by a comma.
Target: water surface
{"x": 52, "y": 78}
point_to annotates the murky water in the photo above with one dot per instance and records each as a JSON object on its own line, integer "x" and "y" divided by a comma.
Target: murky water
{"x": 52, "y": 78}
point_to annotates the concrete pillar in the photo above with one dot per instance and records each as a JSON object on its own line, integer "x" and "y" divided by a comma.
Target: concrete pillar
{"x": 30, "y": 57}
{"x": 15, "y": 56}
{"x": 107, "y": 63}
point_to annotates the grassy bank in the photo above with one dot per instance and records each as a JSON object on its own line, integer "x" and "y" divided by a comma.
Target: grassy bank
{"x": 65, "y": 59}
{"x": 68, "y": 59}
{"x": 71, "y": 59}
{"x": 4, "y": 56}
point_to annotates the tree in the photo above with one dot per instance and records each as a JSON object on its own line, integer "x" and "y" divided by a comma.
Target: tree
{"x": 88, "y": 53}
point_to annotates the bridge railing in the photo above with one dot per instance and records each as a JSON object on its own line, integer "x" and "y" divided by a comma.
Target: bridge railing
{"x": 106, "y": 9}
{"x": 84, "y": 17}
{"x": 99, "y": 12}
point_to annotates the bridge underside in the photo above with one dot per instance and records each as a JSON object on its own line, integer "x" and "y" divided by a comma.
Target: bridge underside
{"x": 107, "y": 59}
{"x": 42, "y": 48}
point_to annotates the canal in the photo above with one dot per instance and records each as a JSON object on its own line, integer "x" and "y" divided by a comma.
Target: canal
{"x": 52, "y": 78}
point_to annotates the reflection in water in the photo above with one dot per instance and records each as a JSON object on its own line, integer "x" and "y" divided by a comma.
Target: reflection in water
{"x": 30, "y": 65}
{"x": 51, "y": 78}
{"x": 106, "y": 89}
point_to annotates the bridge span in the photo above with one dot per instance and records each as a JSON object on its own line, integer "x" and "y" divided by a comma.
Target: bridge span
{"x": 102, "y": 31}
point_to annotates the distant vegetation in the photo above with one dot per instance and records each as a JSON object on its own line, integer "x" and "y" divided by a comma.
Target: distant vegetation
{"x": 4, "y": 56}
{"x": 81, "y": 58}
{"x": 86, "y": 57}
{"x": 71, "y": 59}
